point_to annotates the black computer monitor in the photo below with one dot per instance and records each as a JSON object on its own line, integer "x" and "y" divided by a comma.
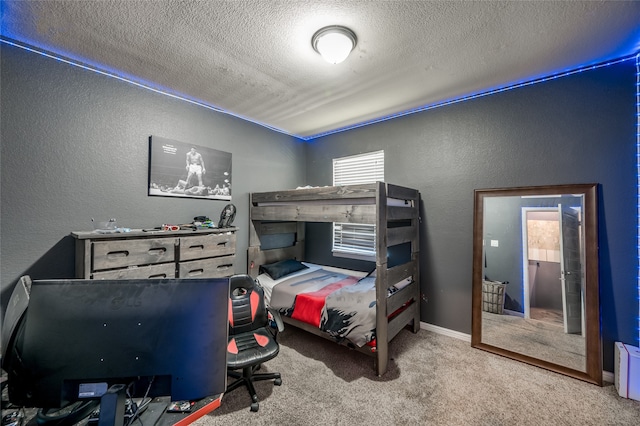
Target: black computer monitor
{"x": 159, "y": 337}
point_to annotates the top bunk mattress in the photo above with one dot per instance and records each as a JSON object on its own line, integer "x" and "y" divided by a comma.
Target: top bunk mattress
{"x": 349, "y": 203}
{"x": 346, "y": 194}
{"x": 352, "y": 201}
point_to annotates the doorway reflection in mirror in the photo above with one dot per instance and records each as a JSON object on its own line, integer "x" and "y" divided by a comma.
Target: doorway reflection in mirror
{"x": 533, "y": 250}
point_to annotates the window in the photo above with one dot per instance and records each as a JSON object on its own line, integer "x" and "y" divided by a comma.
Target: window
{"x": 356, "y": 240}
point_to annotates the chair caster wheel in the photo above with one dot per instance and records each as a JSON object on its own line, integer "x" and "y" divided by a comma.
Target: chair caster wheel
{"x": 277, "y": 381}
{"x": 255, "y": 407}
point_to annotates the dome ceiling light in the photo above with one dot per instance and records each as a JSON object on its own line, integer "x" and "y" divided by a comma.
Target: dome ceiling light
{"x": 334, "y": 43}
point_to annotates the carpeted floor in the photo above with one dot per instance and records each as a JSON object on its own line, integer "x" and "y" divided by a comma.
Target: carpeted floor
{"x": 432, "y": 380}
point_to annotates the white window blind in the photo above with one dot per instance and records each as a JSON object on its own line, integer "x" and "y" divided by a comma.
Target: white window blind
{"x": 349, "y": 239}
{"x": 362, "y": 168}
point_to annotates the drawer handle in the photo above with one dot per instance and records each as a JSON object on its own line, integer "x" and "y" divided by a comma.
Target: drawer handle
{"x": 158, "y": 251}
{"x": 158, "y": 276}
{"x": 195, "y": 272}
{"x": 117, "y": 254}
{"x": 225, "y": 266}
{"x": 198, "y": 247}
{"x": 223, "y": 243}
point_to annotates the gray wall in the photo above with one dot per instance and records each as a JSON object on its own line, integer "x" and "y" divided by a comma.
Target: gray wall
{"x": 546, "y": 289}
{"x": 503, "y": 222}
{"x": 75, "y": 146}
{"x": 575, "y": 129}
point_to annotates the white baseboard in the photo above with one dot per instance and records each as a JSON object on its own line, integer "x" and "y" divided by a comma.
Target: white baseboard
{"x": 607, "y": 376}
{"x": 445, "y": 331}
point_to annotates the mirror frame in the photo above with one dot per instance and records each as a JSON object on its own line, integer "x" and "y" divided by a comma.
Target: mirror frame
{"x": 593, "y": 344}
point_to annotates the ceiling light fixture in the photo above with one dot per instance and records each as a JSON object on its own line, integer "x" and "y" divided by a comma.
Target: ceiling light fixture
{"x": 334, "y": 43}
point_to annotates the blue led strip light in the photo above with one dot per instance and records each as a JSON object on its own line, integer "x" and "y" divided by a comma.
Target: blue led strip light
{"x": 113, "y": 74}
{"x": 638, "y": 170}
{"x": 135, "y": 83}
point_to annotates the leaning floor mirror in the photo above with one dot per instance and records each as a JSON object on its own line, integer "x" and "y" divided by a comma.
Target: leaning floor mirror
{"x": 535, "y": 277}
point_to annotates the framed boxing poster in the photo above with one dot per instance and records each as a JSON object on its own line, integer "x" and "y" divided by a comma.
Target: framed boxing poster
{"x": 178, "y": 169}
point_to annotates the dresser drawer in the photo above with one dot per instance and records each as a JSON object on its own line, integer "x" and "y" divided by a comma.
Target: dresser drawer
{"x": 124, "y": 253}
{"x": 163, "y": 270}
{"x": 216, "y": 267}
{"x": 199, "y": 247}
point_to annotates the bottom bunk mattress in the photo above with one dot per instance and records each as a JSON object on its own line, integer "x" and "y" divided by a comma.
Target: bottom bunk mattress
{"x": 339, "y": 302}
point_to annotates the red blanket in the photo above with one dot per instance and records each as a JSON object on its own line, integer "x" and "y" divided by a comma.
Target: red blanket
{"x": 308, "y": 306}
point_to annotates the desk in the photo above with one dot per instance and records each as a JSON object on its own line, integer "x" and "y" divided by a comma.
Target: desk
{"x": 156, "y": 414}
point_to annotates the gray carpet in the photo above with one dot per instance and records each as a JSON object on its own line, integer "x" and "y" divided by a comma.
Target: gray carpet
{"x": 432, "y": 380}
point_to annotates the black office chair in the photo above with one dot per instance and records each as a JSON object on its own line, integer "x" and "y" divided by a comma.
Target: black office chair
{"x": 251, "y": 341}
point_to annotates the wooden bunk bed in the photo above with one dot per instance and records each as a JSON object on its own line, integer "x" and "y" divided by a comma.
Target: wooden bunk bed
{"x": 395, "y": 212}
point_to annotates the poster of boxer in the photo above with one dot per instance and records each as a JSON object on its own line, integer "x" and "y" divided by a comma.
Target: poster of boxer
{"x": 178, "y": 169}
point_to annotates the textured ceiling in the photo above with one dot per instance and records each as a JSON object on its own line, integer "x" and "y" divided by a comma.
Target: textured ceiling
{"x": 254, "y": 58}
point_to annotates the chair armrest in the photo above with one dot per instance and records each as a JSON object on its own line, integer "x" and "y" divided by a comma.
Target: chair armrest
{"x": 277, "y": 318}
